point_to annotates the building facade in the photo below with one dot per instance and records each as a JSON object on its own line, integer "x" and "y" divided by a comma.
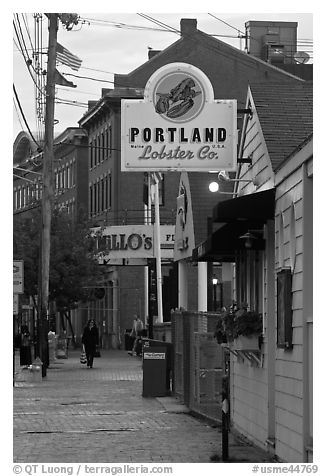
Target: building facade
{"x": 267, "y": 227}
{"x": 70, "y": 171}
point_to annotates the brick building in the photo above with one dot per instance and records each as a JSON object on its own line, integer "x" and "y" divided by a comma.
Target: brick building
{"x": 70, "y": 170}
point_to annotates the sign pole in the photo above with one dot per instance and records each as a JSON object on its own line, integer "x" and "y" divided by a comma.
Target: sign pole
{"x": 157, "y": 235}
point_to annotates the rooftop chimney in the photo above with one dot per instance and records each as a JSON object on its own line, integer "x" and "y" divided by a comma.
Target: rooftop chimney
{"x": 188, "y": 26}
{"x": 152, "y": 53}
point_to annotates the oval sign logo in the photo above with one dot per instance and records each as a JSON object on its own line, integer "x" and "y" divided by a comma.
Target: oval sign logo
{"x": 178, "y": 97}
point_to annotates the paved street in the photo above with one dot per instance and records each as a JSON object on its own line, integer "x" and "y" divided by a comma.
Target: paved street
{"x": 98, "y": 415}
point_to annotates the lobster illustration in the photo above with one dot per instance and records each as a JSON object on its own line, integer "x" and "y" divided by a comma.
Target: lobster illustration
{"x": 182, "y": 94}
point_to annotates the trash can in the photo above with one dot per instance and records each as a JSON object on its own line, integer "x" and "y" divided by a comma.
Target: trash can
{"x": 169, "y": 360}
{"x": 154, "y": 370}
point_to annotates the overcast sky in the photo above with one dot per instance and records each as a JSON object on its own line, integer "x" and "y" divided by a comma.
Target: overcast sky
{"x": 106, "y": 48}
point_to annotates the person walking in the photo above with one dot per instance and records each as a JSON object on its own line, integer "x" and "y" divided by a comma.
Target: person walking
{"x": 25, "y": 347}
{"x": 136, "y": 332}
{"x": 90, "y": 339}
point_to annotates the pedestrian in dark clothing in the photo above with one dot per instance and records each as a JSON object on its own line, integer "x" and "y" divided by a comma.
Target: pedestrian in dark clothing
{"x": 25, "y": 346}
{"x": 90, "y": 340}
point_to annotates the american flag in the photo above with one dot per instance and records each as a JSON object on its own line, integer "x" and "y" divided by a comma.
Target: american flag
{"x": 64, "y": 56}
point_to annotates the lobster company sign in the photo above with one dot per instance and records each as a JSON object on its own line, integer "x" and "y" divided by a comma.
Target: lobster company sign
{"x": 179, "y": 125}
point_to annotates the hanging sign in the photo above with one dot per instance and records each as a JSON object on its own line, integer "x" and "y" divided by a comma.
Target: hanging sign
{"x": 131, "y": 245}
{"x": 178, "y": 125}
{"x": 18, "y": 274}
{"x": 16, "y": 304}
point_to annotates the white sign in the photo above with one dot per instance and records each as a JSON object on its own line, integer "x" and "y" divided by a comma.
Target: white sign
{"x": 154, "y": 356}
{"x": 178, "y": 125}
{"x": 16, "y": 304}
{"x": 18, "y": 271}
{"x": 132, "y": 245}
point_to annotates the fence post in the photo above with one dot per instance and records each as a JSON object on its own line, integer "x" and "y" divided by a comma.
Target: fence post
{"x": 225, "y": 418}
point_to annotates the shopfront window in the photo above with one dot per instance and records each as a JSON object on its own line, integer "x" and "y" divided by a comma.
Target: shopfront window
{"x": 249, "y": 274}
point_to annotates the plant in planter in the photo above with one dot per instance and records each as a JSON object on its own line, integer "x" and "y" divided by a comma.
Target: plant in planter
{"x": 247, "y": 323}
{"x": 237, "y": 324}
{"x": 224, "y": 327}
{"x": 247, "y": 329}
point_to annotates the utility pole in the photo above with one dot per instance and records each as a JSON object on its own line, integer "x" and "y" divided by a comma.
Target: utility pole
{"x": 158, "y": 253}
{"x": 47, "y": 194}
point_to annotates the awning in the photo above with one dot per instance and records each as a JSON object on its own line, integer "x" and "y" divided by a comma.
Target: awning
{"x": 236, "y": 217}
{"x": 224, "y": 243}
{"x": 259, "y": 206}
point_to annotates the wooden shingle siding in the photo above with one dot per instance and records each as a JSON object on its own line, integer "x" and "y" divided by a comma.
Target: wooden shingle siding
{"x": 290, "y": 403}
{"x": 290, "y": 386}
{"x": 269, "y": 139}
{"x": 288, "y": 444}
{"x": 286, "y": 368}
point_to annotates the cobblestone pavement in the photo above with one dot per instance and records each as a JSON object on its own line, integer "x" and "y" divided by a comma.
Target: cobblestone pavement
{"x": 98, "y": 415}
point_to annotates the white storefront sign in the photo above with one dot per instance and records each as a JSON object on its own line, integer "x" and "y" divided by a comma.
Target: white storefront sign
{"x": 178, "y": 125}
{"x": 131, "y": 244}
{"x": 16, "y": 304}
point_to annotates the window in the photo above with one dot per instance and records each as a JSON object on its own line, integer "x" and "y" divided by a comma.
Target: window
{"x": 69, "y": 176}
{"x": 91, "y": 154}
{"x": 63, "y": 179}
{"x": 73, "y": 173}
{"x": 105, "y": 143}
{"x": 102, "y": 146}
{"x": 102, "y": 193}
{"x": 109, "y": 140}
{"x": 284, "y": 308}
{"x": 249, "y": 278}
{"x": 109, "y": 191}
{"x": 90, "y": 201}
{"x": 97, "y": 154}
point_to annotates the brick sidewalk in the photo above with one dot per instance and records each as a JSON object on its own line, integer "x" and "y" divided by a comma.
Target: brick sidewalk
{"x": 98, "y": 415}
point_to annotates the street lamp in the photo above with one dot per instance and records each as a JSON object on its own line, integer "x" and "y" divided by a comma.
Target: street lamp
{"x": 223, "y": 176}
{"x": 215, "y": 283}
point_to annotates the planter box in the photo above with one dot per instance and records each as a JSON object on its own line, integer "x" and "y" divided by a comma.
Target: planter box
{"x": 249, "y": 343}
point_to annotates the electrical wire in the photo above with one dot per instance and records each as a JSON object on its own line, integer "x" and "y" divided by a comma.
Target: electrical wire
{"x": 87, "y": 77}
{"x": 121, "y": 25}
{"x": 157, "y": 22}
{"x": 28, "y": 60}
{"x": 23, "y": 116}
{"x": 18, "y": 116}
{"x": 228, "y": 24}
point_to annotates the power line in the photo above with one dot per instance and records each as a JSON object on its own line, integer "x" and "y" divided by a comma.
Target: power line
{"x": 23, "y": 116}
{"x": 122, "y": 25}
{"x": 157, "y": 22}
{"x": 87, "y": 77}
{"x": 228, "y": 24}
{"x": 18, "y": 116}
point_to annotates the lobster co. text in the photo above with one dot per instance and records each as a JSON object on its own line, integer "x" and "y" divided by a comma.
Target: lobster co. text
{"x": 205, "y": 152}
